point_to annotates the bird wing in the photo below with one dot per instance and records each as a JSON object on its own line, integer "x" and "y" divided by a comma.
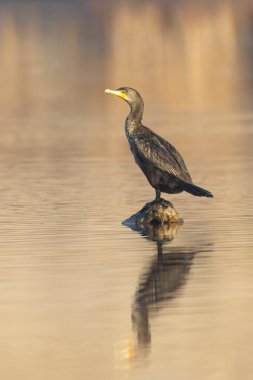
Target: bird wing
{"x": 157, "y": 151}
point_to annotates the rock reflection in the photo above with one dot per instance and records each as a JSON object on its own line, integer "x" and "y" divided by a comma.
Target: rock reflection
{"x": 161, "y": 233}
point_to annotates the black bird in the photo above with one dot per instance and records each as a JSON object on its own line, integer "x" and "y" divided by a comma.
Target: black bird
{"x": 161, "y": 163}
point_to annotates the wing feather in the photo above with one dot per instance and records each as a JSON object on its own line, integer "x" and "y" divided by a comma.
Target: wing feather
{"x": 161, "y": 154}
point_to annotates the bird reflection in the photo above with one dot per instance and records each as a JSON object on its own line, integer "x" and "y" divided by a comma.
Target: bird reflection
{"x": 159, "y": 282}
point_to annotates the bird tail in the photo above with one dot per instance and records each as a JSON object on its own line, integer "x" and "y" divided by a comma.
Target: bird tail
{"x": 196, "y": 190}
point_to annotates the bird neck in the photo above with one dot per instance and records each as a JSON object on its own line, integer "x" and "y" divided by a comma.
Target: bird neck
{"x": 136, "y": 113}
{"x": 131, "y": 127}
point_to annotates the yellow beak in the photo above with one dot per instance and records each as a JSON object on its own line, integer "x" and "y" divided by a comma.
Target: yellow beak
{"x": 118, "y": 93}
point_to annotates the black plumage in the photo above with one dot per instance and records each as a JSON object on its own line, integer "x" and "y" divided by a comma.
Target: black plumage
{"x": 161, "y": 163}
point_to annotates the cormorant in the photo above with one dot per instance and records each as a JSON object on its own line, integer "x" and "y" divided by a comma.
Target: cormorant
{"x": 161, "y": 163}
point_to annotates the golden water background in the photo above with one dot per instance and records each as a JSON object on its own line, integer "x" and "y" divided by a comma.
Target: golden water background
{"x": 83, "y": 297}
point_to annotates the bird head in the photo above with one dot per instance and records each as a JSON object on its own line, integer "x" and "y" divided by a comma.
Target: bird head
{"x": 131, "y": 96}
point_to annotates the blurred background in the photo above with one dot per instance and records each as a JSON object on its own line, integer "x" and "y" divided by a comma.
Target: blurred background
{"x": 195, "y": 55}
{"x": 58, "y": 56}
{"x": 81, "y": 295}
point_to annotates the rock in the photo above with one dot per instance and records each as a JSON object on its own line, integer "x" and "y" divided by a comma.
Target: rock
{"x": 157, "y": 219}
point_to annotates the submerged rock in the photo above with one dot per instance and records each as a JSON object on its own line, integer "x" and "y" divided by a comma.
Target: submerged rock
{"x": 156, "y": 214}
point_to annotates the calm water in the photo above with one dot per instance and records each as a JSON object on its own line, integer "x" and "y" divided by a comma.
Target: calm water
{"x": 82, "y": 296}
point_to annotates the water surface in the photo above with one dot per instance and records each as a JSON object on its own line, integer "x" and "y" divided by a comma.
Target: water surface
{"x": 83, "y": 296}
